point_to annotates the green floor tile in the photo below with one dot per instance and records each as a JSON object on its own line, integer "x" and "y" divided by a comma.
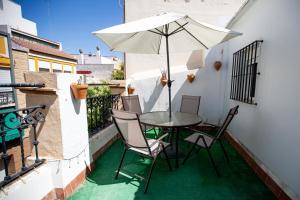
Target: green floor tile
{"x": 194, "y": 180}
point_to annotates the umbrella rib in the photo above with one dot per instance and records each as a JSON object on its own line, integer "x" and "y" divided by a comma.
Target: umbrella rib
{"x": 192, "y": 35}
{"x": 155, "y": 32}
{"x": 180, "y": 28}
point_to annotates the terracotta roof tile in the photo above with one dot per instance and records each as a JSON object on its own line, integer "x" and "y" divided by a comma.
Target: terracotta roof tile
{"x": 43, "y": 49}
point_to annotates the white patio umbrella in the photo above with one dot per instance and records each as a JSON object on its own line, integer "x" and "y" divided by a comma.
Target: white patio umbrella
{"x": 164, "y": 33}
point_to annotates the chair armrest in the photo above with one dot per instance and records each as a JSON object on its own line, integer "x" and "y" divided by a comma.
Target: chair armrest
{"x": 162, "y": 137}
{"x": 213, "y": 125}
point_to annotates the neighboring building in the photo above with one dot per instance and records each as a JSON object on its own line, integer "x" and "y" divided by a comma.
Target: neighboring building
{"x": 21, "y": 51}
{"x": 11, "y": 14}
{"x": 96, "y": 66}
{"x": 27, "y": 51}
{"x": 44, "y": 55}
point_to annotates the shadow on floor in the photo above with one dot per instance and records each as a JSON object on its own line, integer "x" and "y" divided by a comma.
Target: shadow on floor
{"x": 194, "y": 180}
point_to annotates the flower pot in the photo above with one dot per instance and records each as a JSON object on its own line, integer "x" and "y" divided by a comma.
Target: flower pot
{"x": 130, "y": 90}
{"x": 191, "y": 77}
{"x": 163, "y": 81}
{"x": 217, "y": 65}
{"x": 79, "y": 90}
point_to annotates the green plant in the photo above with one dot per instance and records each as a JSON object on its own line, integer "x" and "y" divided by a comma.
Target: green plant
{"x": 118, "y": 74}
{"x": 102, "y": 90}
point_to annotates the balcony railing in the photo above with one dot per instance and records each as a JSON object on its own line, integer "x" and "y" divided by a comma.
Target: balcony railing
{"x": 99, "y": 111}
{"x": 17, "y": 121}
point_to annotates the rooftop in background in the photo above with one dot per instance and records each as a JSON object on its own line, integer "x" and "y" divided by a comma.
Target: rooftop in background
{"x": 35, "y": 47}
{"x": 97, "y": 58}
{"x": 16, "y": 19}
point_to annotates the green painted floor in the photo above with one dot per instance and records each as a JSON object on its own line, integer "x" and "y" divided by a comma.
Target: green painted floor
{"x": 194, "y": 180}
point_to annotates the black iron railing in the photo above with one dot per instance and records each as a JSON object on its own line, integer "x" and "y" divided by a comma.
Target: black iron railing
{"x": 18, "y": 121}
{"x": 99, "y": 111}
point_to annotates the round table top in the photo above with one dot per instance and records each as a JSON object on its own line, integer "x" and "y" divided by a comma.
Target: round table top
{"x": 178, "y": 119}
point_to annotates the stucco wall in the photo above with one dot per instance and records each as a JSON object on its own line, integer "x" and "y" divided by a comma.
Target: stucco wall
{"x": 270, "y": 130}
{"x": 20, "y": 67}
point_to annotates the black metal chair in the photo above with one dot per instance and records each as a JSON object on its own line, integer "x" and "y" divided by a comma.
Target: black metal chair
{"x": 203, "y": 140}
{"x": 129, "y": 127}
{"x": 132, "y": 104}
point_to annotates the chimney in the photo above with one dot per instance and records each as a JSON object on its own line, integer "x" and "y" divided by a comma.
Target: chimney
{"x": 81, "y": 57}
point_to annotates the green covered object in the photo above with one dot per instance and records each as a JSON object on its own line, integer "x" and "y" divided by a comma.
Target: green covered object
{"x": 10, "y": 123}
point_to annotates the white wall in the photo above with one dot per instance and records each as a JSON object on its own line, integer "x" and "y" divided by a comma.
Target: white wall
{"x": 74, "y": 130}
{"x": 208, "y": 84}
{"x": 270, "y": 130}
{"x": 101, "y": 138}
{"x": 35, "y": 185}
{"x": 11, "y": 15}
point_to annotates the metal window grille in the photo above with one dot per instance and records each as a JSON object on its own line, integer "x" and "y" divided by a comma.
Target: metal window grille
{"x": 244, "y": 72}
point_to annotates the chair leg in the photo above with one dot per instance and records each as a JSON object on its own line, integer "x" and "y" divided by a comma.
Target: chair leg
{"x": 225, "y": 153}
{"x": 120, "y": 165}
{"x": 149, "y": 176}
{"x": 189, "y": 153}
{"x": 167, "y": 158}
{"x": 213, "y": 162}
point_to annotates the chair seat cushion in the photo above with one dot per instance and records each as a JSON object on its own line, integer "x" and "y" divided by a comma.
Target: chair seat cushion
{"x": 155, "y": 148}
{"x": 192, "y": 139}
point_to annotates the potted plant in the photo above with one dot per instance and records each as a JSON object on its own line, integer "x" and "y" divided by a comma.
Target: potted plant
{"x": 79, "y": 90}
{"x": 130, "y": 89}
{"x": 163, "y": 78}
{"x": 191, "y": 77}
{"x": 217, "y": 65}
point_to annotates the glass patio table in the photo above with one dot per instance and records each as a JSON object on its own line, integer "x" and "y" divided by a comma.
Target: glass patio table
{"x": 175, "y": 122}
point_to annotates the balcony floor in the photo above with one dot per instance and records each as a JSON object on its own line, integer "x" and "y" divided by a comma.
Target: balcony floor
{"x": 195, "y": 180}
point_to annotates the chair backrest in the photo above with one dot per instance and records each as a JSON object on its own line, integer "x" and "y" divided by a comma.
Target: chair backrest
{"x": 190, "y": 104}
{"x": 128, "y": 125}
{"x": 232, "y": 112}
{"x": 131, "y": 104}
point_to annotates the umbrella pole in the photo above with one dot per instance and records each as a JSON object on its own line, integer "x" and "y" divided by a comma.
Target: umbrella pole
{"x": 169, "y": 77}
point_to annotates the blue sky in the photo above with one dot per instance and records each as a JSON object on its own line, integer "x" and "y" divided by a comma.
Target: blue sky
{"x": 72, "y": 21}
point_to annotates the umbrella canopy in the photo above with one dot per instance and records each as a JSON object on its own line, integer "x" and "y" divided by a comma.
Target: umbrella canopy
{"x": 164, "y": 33}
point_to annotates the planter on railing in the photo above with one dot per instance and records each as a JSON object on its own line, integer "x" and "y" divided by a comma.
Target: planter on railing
{"x": 130, "y": 90}
{"x": 79, "y": 90}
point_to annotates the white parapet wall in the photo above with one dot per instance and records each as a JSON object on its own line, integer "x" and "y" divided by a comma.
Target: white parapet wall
{"x": 67, "y": 154}
{"x": 34, "y": 186}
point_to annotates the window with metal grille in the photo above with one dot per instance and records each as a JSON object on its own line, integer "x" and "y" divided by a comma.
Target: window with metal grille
{"x": 244, "y": 72}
